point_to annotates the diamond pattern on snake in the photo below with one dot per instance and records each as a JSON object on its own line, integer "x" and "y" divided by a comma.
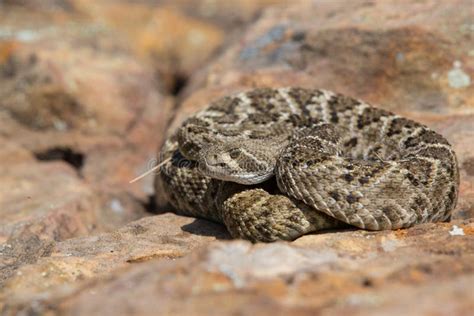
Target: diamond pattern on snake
{"x": 275, "y": 164}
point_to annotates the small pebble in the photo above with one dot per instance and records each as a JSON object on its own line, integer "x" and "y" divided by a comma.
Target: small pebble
{"x": 457, "y": 78}
{"x": 456, "y": 231}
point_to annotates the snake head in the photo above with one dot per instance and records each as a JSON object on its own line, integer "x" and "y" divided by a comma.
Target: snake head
{"x": 245, "y": 163}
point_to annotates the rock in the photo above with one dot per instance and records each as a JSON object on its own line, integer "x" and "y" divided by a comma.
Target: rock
{"x": 86, "y": 101}
{"x": 80, "y": 116}
{"x": 176, "y": 36}
{"x": 227, "y": 15}
{"x": 68, "y": 262}
{"x": 12, "y": 153}
{"x": 163, "y": 35}
{"x": 406, "y": 65}
{"x": 41, "y": 203}
{"x": 330, "y": 273}
{"x": 39, "y": 5}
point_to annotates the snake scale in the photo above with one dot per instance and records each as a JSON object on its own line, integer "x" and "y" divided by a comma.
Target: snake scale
{"x": 274, "y": 164}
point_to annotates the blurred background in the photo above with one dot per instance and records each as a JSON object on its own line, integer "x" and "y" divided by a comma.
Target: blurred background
{"x": 95, "y": 84}
{"x": 90, "y": 89}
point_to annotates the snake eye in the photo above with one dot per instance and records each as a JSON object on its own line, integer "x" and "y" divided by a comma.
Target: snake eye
{"x": 234, "y": 153}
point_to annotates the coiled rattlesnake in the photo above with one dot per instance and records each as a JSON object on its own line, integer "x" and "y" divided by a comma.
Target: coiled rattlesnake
{"x": 278, "y": 163}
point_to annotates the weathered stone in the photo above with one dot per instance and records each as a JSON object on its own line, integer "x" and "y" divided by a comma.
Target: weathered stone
{"x": 163, "y": 35}
{"x": 176, "y": 36}
{"x": 70, "y": 95}
{"x": 342, "y": 272}
{"x": 12, "y": 153}
{"x": 41, "y": 203}
{"x": 165, "y": 236}
{"x": 90, "y": 104}
{"x": 405, "y": 65}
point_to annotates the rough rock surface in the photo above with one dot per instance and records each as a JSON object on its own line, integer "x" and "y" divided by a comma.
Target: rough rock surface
{"x": 165, "y": 236}
{"x": 355, "y": 272}
{"x": 75, "y": 94}
{"x": 87, "y": 90}
{"x": 415, "y": 56}
{"x": 34, "y": 216}
{"x": 176, "y": 37}
{"x": 76, "y": 113}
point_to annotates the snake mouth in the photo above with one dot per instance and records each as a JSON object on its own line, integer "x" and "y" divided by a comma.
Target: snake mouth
{"x": 219, "y": 172}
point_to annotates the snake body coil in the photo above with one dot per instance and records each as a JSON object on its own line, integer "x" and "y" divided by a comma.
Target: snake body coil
{"x": 278, "y": 163}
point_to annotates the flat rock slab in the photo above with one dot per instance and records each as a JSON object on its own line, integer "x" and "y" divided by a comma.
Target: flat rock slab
{"x": 329, "y": 273}
{"x": 66, "y": 263}
{"x": 41, "y": 203}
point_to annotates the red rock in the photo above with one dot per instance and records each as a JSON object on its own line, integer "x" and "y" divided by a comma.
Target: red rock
{"x": 177, "y": 37}
{"x": 13, "y": 153}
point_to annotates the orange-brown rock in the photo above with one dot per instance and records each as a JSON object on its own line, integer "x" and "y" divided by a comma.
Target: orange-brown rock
{"x": 41, "y": 203}
{"x": 338, "y": 273}
{"x": 177, "y": 36}
{"x": 65, "y": 263}
{"x": 79, "y": 117}
{"x": 84, "y": 100}
{"x": 409, "y": 63}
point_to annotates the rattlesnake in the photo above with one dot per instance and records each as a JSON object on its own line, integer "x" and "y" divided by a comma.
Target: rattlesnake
{"x": 274, "y": 164}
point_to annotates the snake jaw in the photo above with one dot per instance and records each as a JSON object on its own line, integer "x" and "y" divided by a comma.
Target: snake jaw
{"x": 243, "y": 178}
{"x": 226, "y": 165}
